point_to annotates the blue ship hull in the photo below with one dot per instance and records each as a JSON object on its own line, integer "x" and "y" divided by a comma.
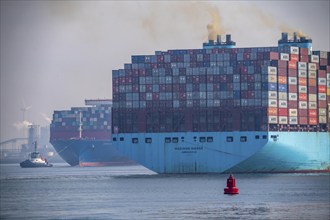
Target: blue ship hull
{"x": 84, "y": 152}
{"x": 216, "y": 152}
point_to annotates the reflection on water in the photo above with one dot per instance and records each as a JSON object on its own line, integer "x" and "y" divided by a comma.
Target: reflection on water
{"x": 133, "y": 192}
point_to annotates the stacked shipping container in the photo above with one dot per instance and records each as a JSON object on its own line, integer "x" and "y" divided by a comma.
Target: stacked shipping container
{"x": 223, "y": 89}
{"x": 95, "y": 122}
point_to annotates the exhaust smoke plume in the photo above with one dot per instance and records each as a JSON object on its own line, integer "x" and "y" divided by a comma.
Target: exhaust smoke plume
{"x": 214, "y": 28}
{"x": 22, "y": 125}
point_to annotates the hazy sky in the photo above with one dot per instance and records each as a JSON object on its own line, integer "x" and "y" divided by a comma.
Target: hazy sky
{"x": 56, "y": 54}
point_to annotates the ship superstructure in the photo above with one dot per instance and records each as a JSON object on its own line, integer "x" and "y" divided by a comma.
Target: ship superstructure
{"x": 222, "y": 108}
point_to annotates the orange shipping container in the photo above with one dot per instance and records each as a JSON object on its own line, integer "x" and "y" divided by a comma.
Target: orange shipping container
{"x": 302, "y": 81}
{"x": 312, "y": 121}
{"x": 294, "y": 57}
{"x": 302, "y": 97}
{"x": 322, "y": 89}
{"x": 282, "y": 80}
{"x": 272, "y": 111}
{"x": 311, "y": 82}
{"x": 312, "y": 113}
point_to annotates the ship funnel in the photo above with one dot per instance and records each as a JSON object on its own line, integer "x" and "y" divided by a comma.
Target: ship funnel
{"x": 295, "y": 37}
{"x": 219, "y": 39}
{"x": 228, "y": 38}
{"x": 219, "y": 44}
{"x": 296, "y": 41}
{"x": 284, "y": 37}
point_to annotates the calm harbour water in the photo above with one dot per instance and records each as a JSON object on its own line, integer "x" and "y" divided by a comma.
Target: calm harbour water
{"x": 133, "y": 192}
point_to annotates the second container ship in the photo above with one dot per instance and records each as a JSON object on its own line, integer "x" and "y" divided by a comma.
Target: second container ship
{"x": 82, "y": 135}
{"x": 225, "y": 109}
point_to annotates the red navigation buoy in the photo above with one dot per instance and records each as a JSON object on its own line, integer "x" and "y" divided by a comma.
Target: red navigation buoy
{"x": 231, "y": 186}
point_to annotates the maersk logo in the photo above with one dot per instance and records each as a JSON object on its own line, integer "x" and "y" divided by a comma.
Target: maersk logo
{"x": 188, "y": 149}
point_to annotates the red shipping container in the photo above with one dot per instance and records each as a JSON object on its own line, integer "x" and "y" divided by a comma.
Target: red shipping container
{"x": 302, "y": 81}
{"x": 302, "y": 112}
{"x": 292, "y": 104}
{"x": 312, "y": 113}
{"x": 322, "y": 89}
{"x": 283, "y": 112}
{"x": 302, "y": 97}
{"x": 282, "y": 72}
{"x": 328, "y": 69}
{"x": 292, "y": 65}
{"x": 323, "y": 62}
{"x": 322, "y": 74}
{"x": 282, "y": 64}
{"x": 312, "y": 121}
{"x": 303, "y": 51}
{"x": 292, "y": 72}
{"x": 322, "y": 104}
{"x": 282, "y": 80}
{"x": 303, "y": 120}
{"x": 294, "y": 57}
{"x": 292, "y": 88}
{"x": 304, "y": 59}
{"x": 312, "y": 89}
{"x": 273, "y": 56}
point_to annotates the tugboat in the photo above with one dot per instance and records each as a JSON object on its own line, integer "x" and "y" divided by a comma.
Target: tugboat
{"x": 36, "y": 160}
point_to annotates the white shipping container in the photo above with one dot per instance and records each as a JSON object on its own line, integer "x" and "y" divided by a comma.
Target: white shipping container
{"x": 272, "y": 119}
{"x": 302, "y": 66}
{"x": 293, "y": 96}
{"x": 328, "y": 76}
{"x": 272, "y": 95}
{"x": 312, "y": 105}
{"x": 302, "y": 73}
{"x": 283, "y": 103}
{"x": 302, "y": 89}
{"x": 282, "y": 95}
{"x": 272, "y": 78}
{"x": 322, "y": 119}
{"x": 323, "y": 111}
{"x": 311, "y": 66}
{"x": 322, "y": 81}
{"x": 302, "y": 104}
{"x": 322, "y": 96}
{"x": 284, "y": 56}
{"x": 293, "y": 120}
{"x": 292, "y": 80}
{"x": 283, "y": 120}
{"x": 293, "y": 112}
{"x": 294, "y": 50}
{"x": 273, "y": 70}
{"x": 312, "y": 74}
{"x": 324, "y": 54}
{"x": 312, "y": 97}
{"x": 315, "y": 59}
{"x": 328, "y": 83}
{"x": 272, "y": 102}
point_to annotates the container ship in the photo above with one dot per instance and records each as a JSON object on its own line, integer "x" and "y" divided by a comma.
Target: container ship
{"x": 225, "y": 109}
{"x": 82, "y": 135}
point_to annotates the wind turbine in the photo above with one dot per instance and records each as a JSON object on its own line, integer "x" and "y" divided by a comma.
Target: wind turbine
{"x": 25, "y": 109}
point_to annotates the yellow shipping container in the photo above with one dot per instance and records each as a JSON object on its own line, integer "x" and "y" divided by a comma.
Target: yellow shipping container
{"x": 328, "y": 91}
